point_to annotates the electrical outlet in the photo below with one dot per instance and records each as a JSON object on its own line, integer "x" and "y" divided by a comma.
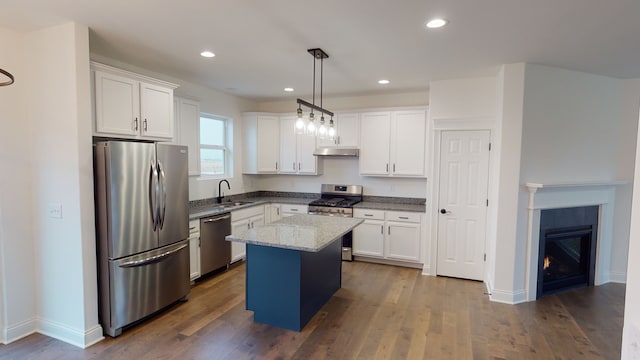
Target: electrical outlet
{"x": 54, "y": 210}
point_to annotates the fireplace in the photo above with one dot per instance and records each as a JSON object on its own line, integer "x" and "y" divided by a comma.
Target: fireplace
{"x": 567, "y": 248}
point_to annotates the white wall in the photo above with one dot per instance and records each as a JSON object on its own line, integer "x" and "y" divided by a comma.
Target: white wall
{"x": 46, "y": 150}
{"x": 212, "y": 102}
{"x": 464, "y": 104}
{"x": 59, "y": 99}
{"x": 625, "y": 170}
{"x": 505, "y": 184}
{"x": 574, "y": 130}
{"x": 17, "y": 278}
{"x": 631, "y": 331}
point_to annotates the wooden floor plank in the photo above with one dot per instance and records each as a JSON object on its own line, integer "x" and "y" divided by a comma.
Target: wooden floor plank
{"x": 381, "y": 312}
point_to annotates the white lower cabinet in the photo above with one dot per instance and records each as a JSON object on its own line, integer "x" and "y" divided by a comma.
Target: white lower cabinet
{"x": 368, "y": 239}
{"x": 392, "y": 235}
{"x": 194, "y": 249}
{"x": 272, "y": 213}
{"x": 244, "y": 219}
{"x": 290, "y": 210}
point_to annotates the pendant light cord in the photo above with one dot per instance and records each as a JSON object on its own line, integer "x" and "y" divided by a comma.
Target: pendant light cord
{"x": 313, "y": 101}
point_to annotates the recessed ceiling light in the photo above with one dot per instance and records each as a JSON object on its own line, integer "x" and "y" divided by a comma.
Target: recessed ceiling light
{"x": 288, "y": 89}
{"x": 383, "y": 82}
{"x": 436, "y": 23}
{"x": 207, "y": 54}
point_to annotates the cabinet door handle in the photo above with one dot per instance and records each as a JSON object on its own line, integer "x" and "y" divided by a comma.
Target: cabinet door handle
{"x": 338, "y": 140}
{"x": 294, "y": 166}
{"x": 394, "y": 167}
{"x": 382, "y": 229}
{"x": 248, "y": 226}
{"x": 389, "y": 230}
{"x": 299, "y": 166}
{"x": 278, "y": 211}
{"x": 276, "y": 166}
{"x": 145, "y": 124}
{"x": 387, "y": 168}
{"x": 135, "y": 123}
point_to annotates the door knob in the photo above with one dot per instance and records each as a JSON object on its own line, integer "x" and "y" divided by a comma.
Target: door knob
{"x": 443, "y": 211}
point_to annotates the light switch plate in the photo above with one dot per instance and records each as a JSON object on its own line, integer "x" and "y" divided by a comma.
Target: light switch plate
{"x": 54, "y": 210}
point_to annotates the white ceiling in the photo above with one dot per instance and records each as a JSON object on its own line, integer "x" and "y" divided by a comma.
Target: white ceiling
{"x": 261, "y": 45}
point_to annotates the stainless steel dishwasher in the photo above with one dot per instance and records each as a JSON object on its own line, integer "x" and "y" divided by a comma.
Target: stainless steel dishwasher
{"x": 215, "y": 251}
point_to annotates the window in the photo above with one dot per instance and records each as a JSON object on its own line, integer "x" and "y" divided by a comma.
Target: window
{"x": 213, "y": 145}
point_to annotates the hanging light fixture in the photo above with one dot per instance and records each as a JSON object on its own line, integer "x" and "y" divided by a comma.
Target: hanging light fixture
{"x": 310, "y": 127}
{"x": 7, "y": 74}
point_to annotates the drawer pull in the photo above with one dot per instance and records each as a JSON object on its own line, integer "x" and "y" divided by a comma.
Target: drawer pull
{"x": 404, "y": 217}
{"x": 368, "y": 214}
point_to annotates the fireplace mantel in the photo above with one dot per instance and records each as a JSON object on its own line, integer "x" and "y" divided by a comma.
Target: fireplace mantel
{"x": 562, "y": 195}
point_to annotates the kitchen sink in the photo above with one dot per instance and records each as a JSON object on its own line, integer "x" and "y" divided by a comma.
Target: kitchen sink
{"x": 233, "y": 203}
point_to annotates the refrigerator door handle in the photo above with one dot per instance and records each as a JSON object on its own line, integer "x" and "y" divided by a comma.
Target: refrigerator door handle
{"x": 153, "y": 196}
{"x": 163, "y": 188}
{"x": 151, "y": 259}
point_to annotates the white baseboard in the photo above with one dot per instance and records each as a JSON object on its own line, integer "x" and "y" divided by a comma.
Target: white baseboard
{"x": 426, "y": 270}
{"x": 18, "y": 331}
{"x": 388, "y": 262}
{"x": 508, "y": 297}
{"x": 79, "y": 338}
{"x": 618, "y": 277}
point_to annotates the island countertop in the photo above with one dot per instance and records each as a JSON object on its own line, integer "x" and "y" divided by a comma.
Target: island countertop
{"x": 298, "y": 232}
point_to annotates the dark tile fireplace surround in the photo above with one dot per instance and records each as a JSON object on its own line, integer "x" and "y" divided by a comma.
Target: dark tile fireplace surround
{"x": 567, "y": 248}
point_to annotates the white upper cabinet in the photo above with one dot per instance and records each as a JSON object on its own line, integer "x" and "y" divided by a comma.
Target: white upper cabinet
{"x": 408, "y": 134}
{"x": 129, "y": 105}
{"x": 374, "y": 143}
{"x": 296, "y": 150}
{"x": 156, "y": 111}
{"x": 261, "y": 138}
{"x": 393, "y": 143}
{"x": 187, "y": 130}
{"x": 347, "y": 127}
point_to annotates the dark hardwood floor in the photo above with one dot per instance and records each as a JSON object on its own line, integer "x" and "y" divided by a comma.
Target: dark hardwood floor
{"x": 381, "y": 312}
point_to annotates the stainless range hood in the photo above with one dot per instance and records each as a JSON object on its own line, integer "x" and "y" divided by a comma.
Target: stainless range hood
{"x": 336, "y": 152}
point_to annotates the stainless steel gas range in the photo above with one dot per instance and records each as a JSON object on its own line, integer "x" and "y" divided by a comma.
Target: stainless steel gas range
{"x": 338, "y": 200}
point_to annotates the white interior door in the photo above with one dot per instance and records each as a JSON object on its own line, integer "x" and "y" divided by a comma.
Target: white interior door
{"x": 464, "y": 172}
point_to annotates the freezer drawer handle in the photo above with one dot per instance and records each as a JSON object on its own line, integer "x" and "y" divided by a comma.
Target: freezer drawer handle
{"x": 152, "y": 259}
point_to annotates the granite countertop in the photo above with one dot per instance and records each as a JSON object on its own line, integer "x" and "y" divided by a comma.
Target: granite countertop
{"x": 299, "y": 232}
{"x": 225, "y": 207}
{"x": 390, "y": 206}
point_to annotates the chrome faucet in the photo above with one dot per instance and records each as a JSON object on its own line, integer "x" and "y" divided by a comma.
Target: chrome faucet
{"x": 220, "y": 196}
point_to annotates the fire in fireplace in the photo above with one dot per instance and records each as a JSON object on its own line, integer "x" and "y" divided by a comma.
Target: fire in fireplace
{"x": 567, "y": 248}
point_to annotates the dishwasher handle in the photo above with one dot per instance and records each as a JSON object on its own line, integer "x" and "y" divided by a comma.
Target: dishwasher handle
{"x": 218, "y": 218}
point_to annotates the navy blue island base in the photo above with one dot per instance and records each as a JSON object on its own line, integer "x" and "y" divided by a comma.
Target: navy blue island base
{"x": 286, "y": 287}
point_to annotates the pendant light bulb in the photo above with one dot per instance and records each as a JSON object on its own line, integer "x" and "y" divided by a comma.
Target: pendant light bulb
{"x": 332, "y": 129}
{"x": 300, "y": 125}
{"x": 311, "y": 126}
{"x": 322, "y": 130}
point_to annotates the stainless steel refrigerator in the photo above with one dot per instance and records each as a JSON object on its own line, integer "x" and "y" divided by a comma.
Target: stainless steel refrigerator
{"x": 142, "y": 220}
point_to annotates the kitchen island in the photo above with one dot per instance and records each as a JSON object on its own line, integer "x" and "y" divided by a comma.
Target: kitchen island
{"x": 294, "y": 266}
